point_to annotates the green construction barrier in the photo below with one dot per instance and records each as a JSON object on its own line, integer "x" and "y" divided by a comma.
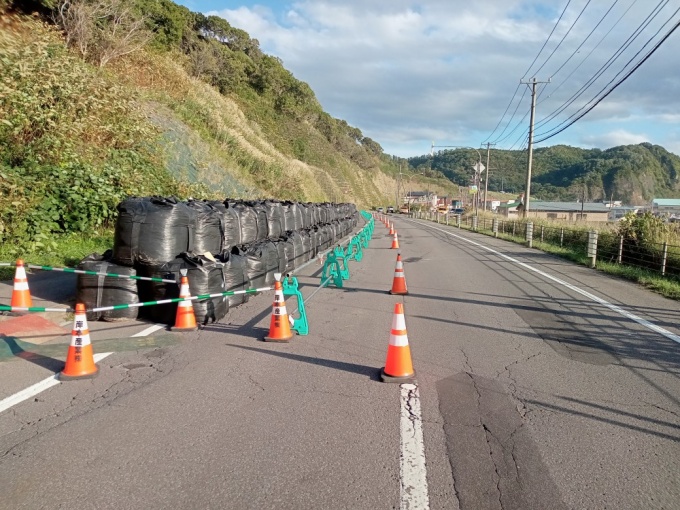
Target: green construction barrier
{"x": 331, "y": 270}
{"x": 344, "y": 268}
{"x": 354, "y": 249}
{"x": 290, "y": 288}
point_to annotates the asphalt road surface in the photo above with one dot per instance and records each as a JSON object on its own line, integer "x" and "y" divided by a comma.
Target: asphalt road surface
{"x": 540, "y": 385}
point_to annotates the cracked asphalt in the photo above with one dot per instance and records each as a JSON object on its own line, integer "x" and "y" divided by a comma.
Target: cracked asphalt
{"x": 532, "y": 397}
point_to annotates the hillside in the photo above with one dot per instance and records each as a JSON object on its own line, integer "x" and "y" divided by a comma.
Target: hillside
{"x": 634, "y": 174}
{"x": 196, "y": 110}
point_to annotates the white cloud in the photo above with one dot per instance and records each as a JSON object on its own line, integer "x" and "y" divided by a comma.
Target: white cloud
{"x": 613, "y": 138}
{"x": 404, "y": 71}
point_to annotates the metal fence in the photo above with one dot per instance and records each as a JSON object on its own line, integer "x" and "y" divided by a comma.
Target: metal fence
{"x": 605, "y": 246}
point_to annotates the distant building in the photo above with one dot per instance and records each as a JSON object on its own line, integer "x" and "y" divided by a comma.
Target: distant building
{"x": 421, "y": 199}
{"x": 617, "y": 213}
{"x": 509, "y": 209}
{"x": 665, "y": 206}
{"x": 567, "y": 211}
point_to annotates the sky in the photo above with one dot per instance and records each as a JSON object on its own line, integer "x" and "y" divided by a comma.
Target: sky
{"x": 457, "y": 73}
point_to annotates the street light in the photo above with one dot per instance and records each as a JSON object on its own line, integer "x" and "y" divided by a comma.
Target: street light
{"x": 479, "y": 168}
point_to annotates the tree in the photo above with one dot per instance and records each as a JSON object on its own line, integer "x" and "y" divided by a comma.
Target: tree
{"x": 103, "y": 30}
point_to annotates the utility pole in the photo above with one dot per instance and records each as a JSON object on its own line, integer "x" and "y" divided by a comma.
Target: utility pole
{"x": 486, "y": 180}
{"x": 527, "y": 192}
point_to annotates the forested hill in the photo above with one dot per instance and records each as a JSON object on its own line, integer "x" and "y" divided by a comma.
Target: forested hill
{"x": 102, "y": 99}
{"x": 634, "y": 174}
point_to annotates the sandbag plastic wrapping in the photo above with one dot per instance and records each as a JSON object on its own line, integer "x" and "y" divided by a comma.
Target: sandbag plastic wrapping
{"x": 306, "y": 245}
{"x": 289, "y": 250}
{"x": 275, "y": 222}
{"x": 152, "y": 230}
{"x": 306, "y": 213}
{"x": 205, "y": 277}
{"x": 260, "y": 219}
{"x": 231, "y": 227}
{"x": 248, "y": 222}
{"x": 298, "y": 257}
{"x": 96, "y": 291}
{"x": 313, "y": 234}
{"x": 209, "y": 234}
{"x": 235, "y": 277}
{"x": 283, "y": 256}
{"x": 297, "y": 216}
{"x": 255, "y": 267}
{"x": 288, "y": 216}
{"x": 269, "y": 255}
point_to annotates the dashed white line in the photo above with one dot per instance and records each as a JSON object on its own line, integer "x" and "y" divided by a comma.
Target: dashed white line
{"x": 585, "y": 293}
{"x": 413, "y": 490}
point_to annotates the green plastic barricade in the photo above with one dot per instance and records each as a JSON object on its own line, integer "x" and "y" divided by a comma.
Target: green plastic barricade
{"x": 290, "y": 288}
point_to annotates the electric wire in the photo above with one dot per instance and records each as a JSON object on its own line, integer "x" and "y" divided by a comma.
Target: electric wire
{"x": 563, "y": 37}
{"x": 606, "y": 65}
{"x": 525, "y": 73}
{"x": 646, "y": 57}
{"x": 555, "y": 88}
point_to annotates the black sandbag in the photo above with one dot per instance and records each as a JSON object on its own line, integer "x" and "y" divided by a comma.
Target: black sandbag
{"x": 231, "y": 227}
{"x": 96, "y": 291}
{"x": 260, "y": 219}
{"x": 205, "y": 277}
{"x": 256, "y": 270}
{"x": 248, "y": 222}
{"x": 275, "y": 222}
{"x": 283, "y": 255}
{"x": 235, "y": 277}
{"x": 297, "y": 216}
{"x": 313, "y": 234}
{"x": 269, "y": 255}
{"x": 288, "y": 216}
{"x": 209, "y": 233}
{"x": 306, "y": 245}
{"x": 296, "y": 240}
{"x": 306, "y": 215}
{"x": 289, "y": 250}
{"x": 152, "y": 230}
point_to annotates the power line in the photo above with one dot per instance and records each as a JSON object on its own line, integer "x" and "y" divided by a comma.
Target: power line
{"x": 524, "y": 76}
{"x": 564, "y": 37}
{"x": 597, "y": 45}
{"x": 607, "y": 64}
{"x": 649, "y": 54}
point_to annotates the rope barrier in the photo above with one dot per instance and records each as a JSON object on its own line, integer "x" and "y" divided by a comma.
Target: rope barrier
{"x": 95, "y": 273}
{"x": 200, "y": 297}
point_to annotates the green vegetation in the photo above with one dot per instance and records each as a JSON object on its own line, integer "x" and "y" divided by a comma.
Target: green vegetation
{"x": 643, "y": 235}
{"x": 147, "y": 98}
{"x": 634, "y": 174}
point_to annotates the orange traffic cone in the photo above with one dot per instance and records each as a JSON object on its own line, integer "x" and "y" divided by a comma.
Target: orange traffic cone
{"x": 185, "y": 320}
{"x": 79, "y": 359}
{"x": 398, "y": 366}
{"x": 391, "y": 229}
{"x": 395, "y": 242}
{"x": 279, "y": 326}
{"x": 21, "y": 296}
{"x": 399, "y": 281}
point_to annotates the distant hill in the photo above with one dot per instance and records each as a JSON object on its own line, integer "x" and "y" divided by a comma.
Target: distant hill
{"x": 634, "y": 174}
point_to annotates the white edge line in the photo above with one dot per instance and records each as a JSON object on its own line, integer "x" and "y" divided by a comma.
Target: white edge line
{"x": 615, "y": 308}
{"x": 27, "y": 393}
{"x": 413, "y": 491}
{"x": 149, "y": 330}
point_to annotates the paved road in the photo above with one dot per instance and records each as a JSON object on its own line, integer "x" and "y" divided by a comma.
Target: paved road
{"x": 538, "y": 390}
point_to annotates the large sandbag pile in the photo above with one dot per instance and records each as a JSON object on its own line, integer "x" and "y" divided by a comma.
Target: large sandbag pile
{"x": 225, "y": 245}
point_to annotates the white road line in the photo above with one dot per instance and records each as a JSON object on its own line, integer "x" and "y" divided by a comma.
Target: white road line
{"x": 615, "y": 308}
{"x": 53, "y": 380}
{"x": 27, "y": 393}
{"x": 413, "y": 491}
{"x": 149, "y": 330}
